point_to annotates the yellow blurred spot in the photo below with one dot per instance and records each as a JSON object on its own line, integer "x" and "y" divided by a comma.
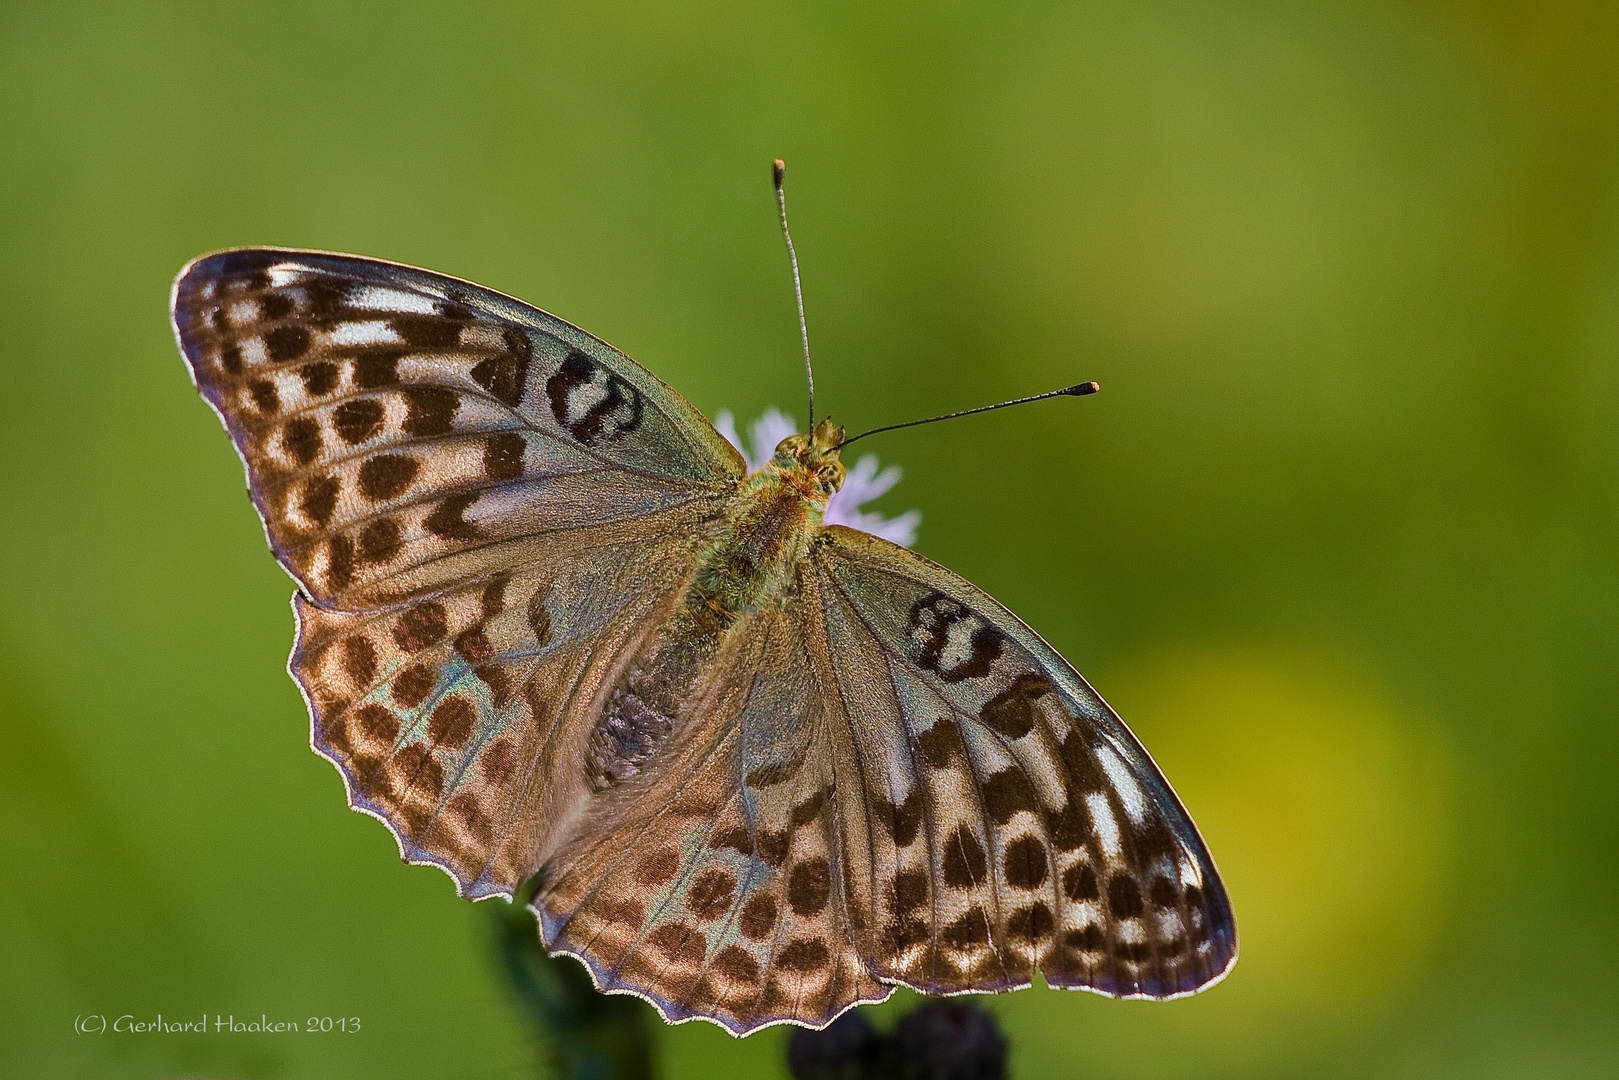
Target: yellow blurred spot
{"x": 1328, "y": 809}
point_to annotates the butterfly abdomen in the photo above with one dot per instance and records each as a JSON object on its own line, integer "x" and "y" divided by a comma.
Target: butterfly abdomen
{"x": 630, "y": 731}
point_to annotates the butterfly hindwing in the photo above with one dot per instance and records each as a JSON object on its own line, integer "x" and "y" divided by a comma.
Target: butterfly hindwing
{"x": 403, "y": 430}
{"x": 714, "y": 887}
{"x": 1026, "y": 825}
{"x": 461, "y": 719}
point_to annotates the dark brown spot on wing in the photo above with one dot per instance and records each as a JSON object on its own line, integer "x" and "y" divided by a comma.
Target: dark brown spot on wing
{"x": 416, "y": 819}
{"x": 423, "y": 773}
{"x": 910, "y": 890}
{"x": 1070, "y": 826}
{"x": 904, "y": 820}
{"x": 758, "y": 917}
{"x": 411, "y": 686}
{"x": 498, "y": 763}
{"x": 495, "y": 677}
{"x": 360, "y": 659}
{"x": 624, "y": 911}
{"x": 369, "y": 777}
{"x": 939, "y": 743}
{"x": 503, "y": 456}
{"x": 506, "y": 375}
{"x": 357, "y": 421}
{"x": 378, "y": 722}
{"x": 493, "y": 599}
{"x": 264, "y": 395}
{"x": 1089, "y": 939}
{"x": 809, "y": 886}
{"x": 421, "y": 626}
{"x": 1124, "y": 897}
{"x": 380, "y": 540}
{"x": 711, "y": 894}
{"x": 377, "y": 368}
{"x": 1139, "y": 952}
{"x": 1033, "y": 923}
{"x": 736, "y": 965}
{"x": 275, "y": 306}
{"x": 465, "y": 809}
{"x": 319, "y": 499}
{"x": 969, "y": 931}
{"x": 335, "y": 734}
{"x": 302, "y": 439}
{"x": 286, "y": 343}
{"x": 339, "y": 562}
{"x": 454, "y": 308}
{"x": 387, "y": 475}
{"x": 658, "y": 867}
{"x": 1026, "y": 863}
{"x": 1013, "y": 711}
{"x": 427, "y": 331}
{"x": 447, "y": 518}
{"x": 1079, "y": 883}
{"x": 771, "y": 846}
{"x": 327, "y": 300}
{"x": 1006, "y": 793}
{"x": 320, "y": 377}
{"x": 808, "y": 810}
{"x": 1082, "y": 766}
{"x": 679, "y": 944}
{"x": 905, "y": 933}
{"x": 736, "y": 837}
{"x": 804, "y": 955}
{"x": 964, "y": 861}
{"x": 1154, "y": 842}
{"x": 474, "y": 646}
{"x": 430, "y": 411}
{"x": 451, "y": 723}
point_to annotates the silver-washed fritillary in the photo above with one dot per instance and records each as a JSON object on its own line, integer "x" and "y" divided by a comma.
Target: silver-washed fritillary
{"x": 549, "y": 623}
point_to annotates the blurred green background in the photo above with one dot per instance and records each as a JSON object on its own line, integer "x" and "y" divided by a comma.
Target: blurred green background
{"x": 1338, "y": 538}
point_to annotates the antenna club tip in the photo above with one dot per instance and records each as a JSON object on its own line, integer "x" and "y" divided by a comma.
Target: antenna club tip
{"x": 778, "y": 172}
{"x": 1084, "y": 388}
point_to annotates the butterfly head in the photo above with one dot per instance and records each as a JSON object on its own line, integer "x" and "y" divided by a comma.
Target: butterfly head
{"x": 814, "y": 457}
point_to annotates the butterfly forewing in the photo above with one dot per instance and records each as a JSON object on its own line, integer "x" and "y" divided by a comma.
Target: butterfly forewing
{"x": 404, "y": 430}
{"x": 1028, "y": 828}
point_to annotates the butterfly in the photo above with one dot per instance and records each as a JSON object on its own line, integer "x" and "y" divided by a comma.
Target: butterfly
{"x": 549, "y": 624}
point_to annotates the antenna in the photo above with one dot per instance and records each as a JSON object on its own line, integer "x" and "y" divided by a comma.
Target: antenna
{"x": 1077, "y": 390}
{"x": 779, "y": 176}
